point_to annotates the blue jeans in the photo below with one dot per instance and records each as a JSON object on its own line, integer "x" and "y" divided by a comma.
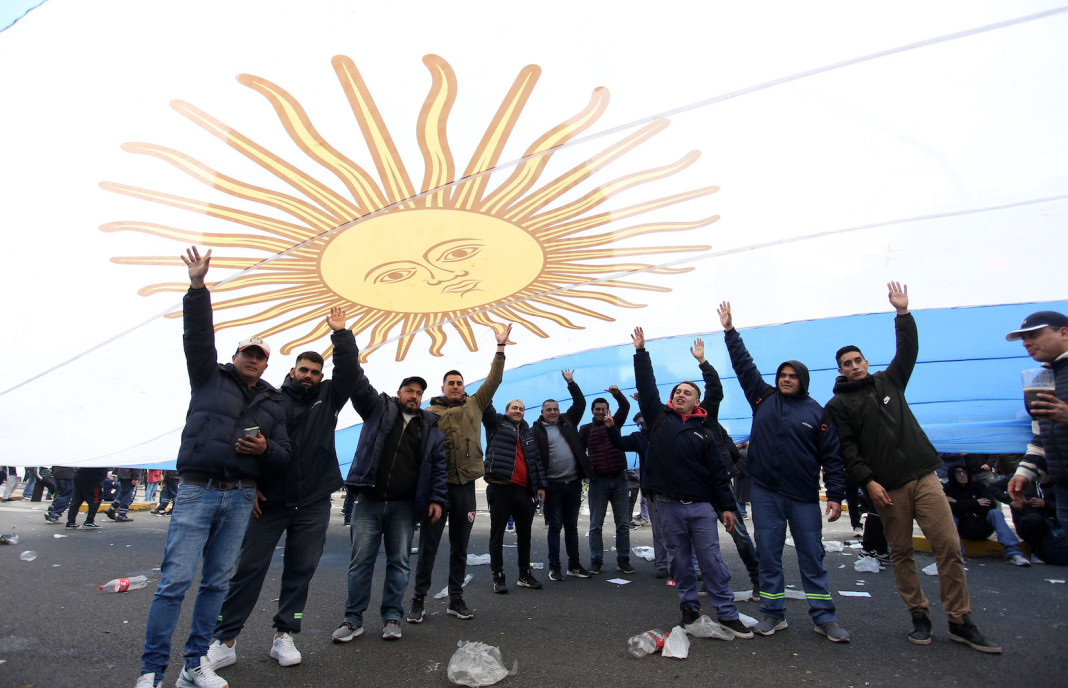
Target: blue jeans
{"x": 124, "y": 497}
{"x": 64, "y": 491}
{"x": 375, "y": 522}
{"x": 689, "y": 530}
{"x": 207, "y": 523}
{"x": 602, "y": 492}
{"x": 771, "y": 513}
{"x": 1010, "y": 544}
{"x": 562, "y": 509}
{"x": 150, "y": 491}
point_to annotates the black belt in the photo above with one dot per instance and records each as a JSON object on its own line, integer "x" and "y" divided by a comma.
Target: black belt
{"x": 214, "y": 483}
{"x": 674, "y": 500}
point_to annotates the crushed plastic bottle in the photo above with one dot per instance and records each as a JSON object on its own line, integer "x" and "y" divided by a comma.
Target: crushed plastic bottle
{"x": 125, "y": 584}
{"x": 11, "y": 539}
{"x": 28, "y": 555}
{"x": 646, "y": 643}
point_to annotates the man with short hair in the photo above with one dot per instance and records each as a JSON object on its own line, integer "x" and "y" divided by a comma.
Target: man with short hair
{"x": 608, "y": 482}
{"x": 887, "y": 453}
{"x": 460, "y": 419}
{"x": 1045, "y": 337}
{"x": 789, "y": 446}
{"x": 235, "y": 434}
{"x": 566, "y": 465}
{"x": 294, "y": 502}
{"x": 398, "y": 476}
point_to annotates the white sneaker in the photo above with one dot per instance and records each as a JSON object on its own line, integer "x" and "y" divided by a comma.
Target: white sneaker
{"x": 285, "y": 651}
{"x": 146, "y": 681}
{"x": 221, "y": 655}
{"x": 1019, "y": 560}
{"x": 201, "y": 677}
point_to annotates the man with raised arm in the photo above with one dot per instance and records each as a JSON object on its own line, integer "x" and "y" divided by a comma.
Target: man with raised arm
{"x": 887, "y": 453}
{"x": 685, "y": 476}
{"x": 566, "y": 465}
{"x": 460, "y": 419}
{"x": 234, "y": 435}
{"x": 294, "y": 502}
{"x": 608, "y": 482}
{"x": 788, "y": 446}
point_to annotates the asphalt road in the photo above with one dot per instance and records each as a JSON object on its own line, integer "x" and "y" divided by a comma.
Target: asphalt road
{"x": 57, "y": 629}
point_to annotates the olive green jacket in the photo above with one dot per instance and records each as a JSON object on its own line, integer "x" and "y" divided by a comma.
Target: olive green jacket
{"x": 462, "y": 424}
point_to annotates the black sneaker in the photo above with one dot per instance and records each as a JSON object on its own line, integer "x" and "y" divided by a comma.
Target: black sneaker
{"x": 689, "y": 615}
{"x": 968, "y": 634}
{"x": 123, "y": 518}
{"x": 595, "y": 568}
{"x": 579, "y": 572}
{"x": 72, "y": 525}
{"x": 555, "y": 574}
{"x": 661, "y": 573}
{"x": 527, "y": 580}
{"x": 90, "y": 524}
{"x": 921, "y": 629}
{"x": 110, "y": 513}
{"x": 499, "y": 586}
{"x": 415, "y": 611}
{"x": 736, "y": 627}
{"x": 625, "y": 567}
{"x": 348, "y": 521}
{"x": 458, "y": 609}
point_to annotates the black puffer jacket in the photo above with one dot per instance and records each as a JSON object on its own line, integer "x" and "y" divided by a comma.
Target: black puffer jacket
{"x": 504, "y": 437}
{"x": 311, "y": 419}
{"x": 568, "y": 424}
{"x": 881, "y": 439}
{"x": 222, "y": 406}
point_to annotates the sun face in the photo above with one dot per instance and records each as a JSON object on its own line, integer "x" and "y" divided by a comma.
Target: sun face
{"x": 452, "y": 255}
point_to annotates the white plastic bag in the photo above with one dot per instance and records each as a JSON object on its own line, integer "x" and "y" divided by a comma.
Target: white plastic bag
{"x": 643, "y": 552}
{"x": 677, "y": 644}
{"x": 931, "y": 570}
{"x": 477, "y": 559}
{"x": 866, "y": 565}
{"x": 705, "y": 627}
{"x": 833, "y": 545}
{"x": 477, "y": 664}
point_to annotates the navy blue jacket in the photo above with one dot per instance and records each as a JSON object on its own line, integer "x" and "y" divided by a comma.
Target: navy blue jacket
{"x": 790, "y": 441}
{"x": 682, "y": 460}
{"x": 503, "y": 438}
{"x": 311, "y": 420}
{"x": 379, "y": 413}
{"x": 221, "y": 406}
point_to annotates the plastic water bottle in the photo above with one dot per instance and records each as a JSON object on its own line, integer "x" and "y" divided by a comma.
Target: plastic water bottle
{"x": 125, "y": 584}
{"x": 646, "y": 643}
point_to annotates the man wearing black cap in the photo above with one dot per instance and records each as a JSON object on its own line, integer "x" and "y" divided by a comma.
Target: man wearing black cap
{"x": 1045, "y": 337}
{"x": 887, "y": 452}
{"x": 235, "y": 433}
{"x": 294, "y": 502}
{"x": 398, "y": 476}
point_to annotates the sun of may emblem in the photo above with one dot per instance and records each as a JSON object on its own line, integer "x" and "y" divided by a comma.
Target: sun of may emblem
{"x": 454, "y": 254}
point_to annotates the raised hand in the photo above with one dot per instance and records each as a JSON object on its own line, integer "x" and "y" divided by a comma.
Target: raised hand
{"x": 698, "y": 350}
{"x": 612, "y": 389}
{"x": 569, "y": 376}
{"x": 899, "y": 296}
{"x": 502, "y": 336}
{"x": 638, "y": 338}
{"x": 725, "y": 319}
{"x": 336, "y": 319}
{"x": 198, "y": 266}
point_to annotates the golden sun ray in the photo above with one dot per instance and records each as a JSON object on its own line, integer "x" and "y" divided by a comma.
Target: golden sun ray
{"x": 456, "y": 254}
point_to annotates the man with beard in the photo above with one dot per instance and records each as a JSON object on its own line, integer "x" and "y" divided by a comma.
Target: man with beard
{"x": 295, "y": 502}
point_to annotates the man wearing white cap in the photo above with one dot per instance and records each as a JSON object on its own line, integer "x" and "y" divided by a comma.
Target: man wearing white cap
{"x": 1045, "y": 337}
{"x": 235, "y": 431}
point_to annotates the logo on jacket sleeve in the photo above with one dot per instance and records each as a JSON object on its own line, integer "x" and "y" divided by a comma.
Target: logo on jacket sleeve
{"x": 808, "y": 425}
{"x": 470, "y": 516}
{"x": 886, "y": 400}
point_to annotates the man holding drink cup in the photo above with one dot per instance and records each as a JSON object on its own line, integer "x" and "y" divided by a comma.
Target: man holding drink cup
{"x": 1045, "y": 337}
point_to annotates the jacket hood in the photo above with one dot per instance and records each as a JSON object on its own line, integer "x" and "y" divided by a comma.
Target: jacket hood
{"x": 802, "y": 375}
{"x": 442, "y": 401}
{"x": 290, "y": 387}
{"x": 698, "y": 412}
{"x": 844, "y": 384}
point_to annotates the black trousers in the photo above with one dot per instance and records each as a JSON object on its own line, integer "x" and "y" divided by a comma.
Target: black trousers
{"x": 305, "y": 531}
{"x": 85, "y": 491}
{"x": 505, "y": 501}
{"x": 461, "y": 517}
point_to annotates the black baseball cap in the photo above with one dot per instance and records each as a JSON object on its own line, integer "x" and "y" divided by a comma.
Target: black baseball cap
{"x": 409, "y": 380}
{"x": 1036, "y": 321}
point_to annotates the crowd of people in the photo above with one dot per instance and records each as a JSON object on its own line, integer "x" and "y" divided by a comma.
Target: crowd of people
{"x": 257, "y": 462}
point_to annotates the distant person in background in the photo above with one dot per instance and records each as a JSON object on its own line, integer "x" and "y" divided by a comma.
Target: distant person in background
{"x": 64, "y": 479}
{"x": 153, "y": 476}
{"x": 978, "y": 515}
{"x": 87, "y": 490}
{"x": 128, "y": 479}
